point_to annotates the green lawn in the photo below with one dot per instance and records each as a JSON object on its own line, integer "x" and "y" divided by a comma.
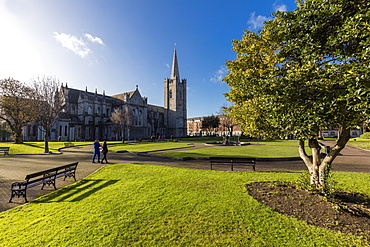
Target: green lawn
{"x": 145, "y": 205}
{"x": 135, "y": 147}
{"x": 205, "y": 139}
{"x": 36, "y": 147}
{"x": 361, "y": 143}
{"x": 293, "y": 143}
{"x": 242, "y": 151}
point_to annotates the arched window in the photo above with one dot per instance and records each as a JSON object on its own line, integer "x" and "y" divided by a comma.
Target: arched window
{"x": 34, "y": 130}
{"x": 140, "y": 117}
{"x": 89, "y": 110}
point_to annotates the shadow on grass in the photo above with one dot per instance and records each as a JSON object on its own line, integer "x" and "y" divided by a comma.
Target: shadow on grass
{"x": 33, "y": 145}
{"x": 77, "y": 191}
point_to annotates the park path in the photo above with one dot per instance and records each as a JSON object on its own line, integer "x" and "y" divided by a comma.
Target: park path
{"x": 16, "y": 167}
{"x": 351, "y": 159}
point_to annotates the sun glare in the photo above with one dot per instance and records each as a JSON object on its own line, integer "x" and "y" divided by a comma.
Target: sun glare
{"x": 19, "y": 56}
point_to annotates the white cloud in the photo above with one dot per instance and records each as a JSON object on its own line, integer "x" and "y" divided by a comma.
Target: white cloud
{"x": 256, "y": 22}
{"x": 73, "y": 43}
{"x": 219, "y": 75}
{"x": 94, "y": 39}
{"x": 281, "y": 7}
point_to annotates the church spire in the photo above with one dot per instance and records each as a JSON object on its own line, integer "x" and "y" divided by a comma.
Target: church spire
{"x": 175, "y": 66}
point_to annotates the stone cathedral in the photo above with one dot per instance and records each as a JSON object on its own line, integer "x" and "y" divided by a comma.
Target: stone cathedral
{"x": 86, "y": 115}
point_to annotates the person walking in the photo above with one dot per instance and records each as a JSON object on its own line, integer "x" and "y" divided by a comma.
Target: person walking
{"x": 97, "y": 146}
{"x": 104, "y": 152}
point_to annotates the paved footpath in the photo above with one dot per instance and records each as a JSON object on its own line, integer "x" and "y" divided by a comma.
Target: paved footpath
{"x": 16, "y": 167}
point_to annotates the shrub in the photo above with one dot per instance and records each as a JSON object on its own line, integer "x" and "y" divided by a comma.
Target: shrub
{"x": 303, "y": 182}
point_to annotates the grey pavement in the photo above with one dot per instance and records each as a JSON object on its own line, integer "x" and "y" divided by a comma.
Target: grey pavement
{"x": 15, "y": 167}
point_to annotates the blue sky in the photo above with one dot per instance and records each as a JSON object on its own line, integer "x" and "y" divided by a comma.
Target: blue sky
{"x": 114, "y": 45}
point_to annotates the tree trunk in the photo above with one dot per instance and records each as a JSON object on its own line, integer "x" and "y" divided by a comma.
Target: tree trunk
{"x": 123, "y": 134}
{"x": 46, "y": 142}
{"x": 315, "y": 165}
{"x": 18, "y": 136}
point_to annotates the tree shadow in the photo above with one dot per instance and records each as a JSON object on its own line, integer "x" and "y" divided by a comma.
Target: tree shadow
{"x": 33, "y": 145}
{"x": 82, "y": 189}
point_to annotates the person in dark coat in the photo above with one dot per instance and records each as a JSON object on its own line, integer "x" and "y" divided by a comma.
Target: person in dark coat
{"x": 104, "y": 152}
{"x": 97, "y": 146}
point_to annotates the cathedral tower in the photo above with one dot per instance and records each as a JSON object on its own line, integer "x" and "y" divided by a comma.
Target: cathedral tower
{"x": 175, "y": 112}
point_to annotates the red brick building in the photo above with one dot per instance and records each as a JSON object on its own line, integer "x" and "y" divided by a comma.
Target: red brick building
{"x": 194, "y": 127}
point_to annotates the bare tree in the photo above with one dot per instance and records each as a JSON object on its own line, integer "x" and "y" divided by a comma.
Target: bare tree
{"x": 122, "y": 117}
{"x": 16, "y": 106}
{"x": 225, "y": 121}
{"x": 49, "y": 104}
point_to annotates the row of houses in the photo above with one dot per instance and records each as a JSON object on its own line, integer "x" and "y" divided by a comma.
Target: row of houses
{"x": 225, "y": 128}
{"x": 194, "y": 128}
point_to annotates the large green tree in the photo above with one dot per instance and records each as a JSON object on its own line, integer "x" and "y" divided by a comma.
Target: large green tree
{"x": 306, "y": 70}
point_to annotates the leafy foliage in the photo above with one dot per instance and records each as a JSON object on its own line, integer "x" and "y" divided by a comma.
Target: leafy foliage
{"x": 210, "y": 123}
{"x": 306, "y": 70}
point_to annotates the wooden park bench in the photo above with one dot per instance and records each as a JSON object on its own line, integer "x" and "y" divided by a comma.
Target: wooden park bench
{"x": 68, "y": 144}
{"x": 233, "y": 161}
{"x": 46, "y": 177}
{"x": 4, "y": 150}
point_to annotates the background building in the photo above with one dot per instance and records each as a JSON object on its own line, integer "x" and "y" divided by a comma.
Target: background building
{"x": 225, "y": 128}
{"x": 86, "y": 115}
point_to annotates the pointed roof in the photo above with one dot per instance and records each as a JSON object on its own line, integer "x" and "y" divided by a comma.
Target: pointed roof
{"x": 175, "y": 66}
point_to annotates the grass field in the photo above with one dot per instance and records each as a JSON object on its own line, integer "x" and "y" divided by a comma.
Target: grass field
{"x": 266, "y": 149}
{"x": 130, "y": 146}
{"x": 135, "y": 147}
{"x": 247, "y": 151}
{"x": 145, "y": 205}
{"x": 361, "y": 143}
{"x": 272, "y": 148}
{"x": 36, "y": 147}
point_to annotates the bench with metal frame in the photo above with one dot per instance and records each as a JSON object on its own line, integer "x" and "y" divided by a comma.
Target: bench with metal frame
{"x": 4, "y": 150}
{"x": 233, "y": 161}
{"x": 46, "y": 177}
